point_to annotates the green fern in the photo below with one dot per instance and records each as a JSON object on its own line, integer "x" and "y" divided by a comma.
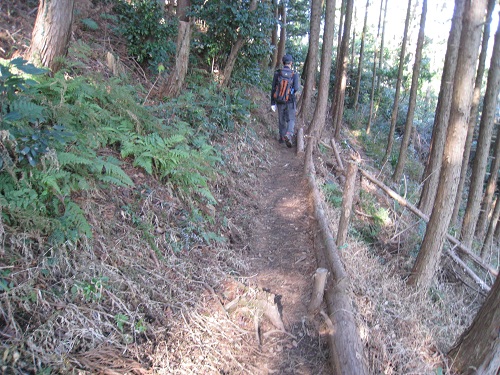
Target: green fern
{"x": 109, "y": 171}
{"x": 90, "y": 24}
{"x": 73, "y": 160}
{"x": 72, "y": 225}
{"x": 24, "y": 109}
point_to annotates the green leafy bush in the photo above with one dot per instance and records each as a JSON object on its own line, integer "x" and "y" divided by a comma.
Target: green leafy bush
{"x": 148, "y": 33}
{"x": 224, "y": 22}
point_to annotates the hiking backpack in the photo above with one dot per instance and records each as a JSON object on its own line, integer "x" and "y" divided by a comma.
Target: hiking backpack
{"x": 284, "y": 86}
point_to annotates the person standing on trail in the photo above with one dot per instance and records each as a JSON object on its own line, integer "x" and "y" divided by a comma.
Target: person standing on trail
{"x": 286, "y": 85}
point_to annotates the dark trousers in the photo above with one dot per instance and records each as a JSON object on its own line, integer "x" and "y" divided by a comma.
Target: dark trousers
{"x": 286, "y": 118}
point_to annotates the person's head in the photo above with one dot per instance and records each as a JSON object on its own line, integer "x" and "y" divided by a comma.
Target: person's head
{"x": 287, "y": 60}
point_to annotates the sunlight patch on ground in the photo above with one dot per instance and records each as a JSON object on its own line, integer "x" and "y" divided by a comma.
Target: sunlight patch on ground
{"x": 291, "y": 208}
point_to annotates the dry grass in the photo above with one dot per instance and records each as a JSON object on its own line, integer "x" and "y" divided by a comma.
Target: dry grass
{"x": 405, "y": 332}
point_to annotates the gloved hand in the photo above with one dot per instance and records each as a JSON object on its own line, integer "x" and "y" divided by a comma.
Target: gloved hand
{"x": 273, "y": 107}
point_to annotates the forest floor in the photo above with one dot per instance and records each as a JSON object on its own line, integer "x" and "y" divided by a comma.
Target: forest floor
{"x": 280, "y": 258}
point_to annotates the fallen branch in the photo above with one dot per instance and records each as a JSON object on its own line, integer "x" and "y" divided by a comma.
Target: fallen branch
{"x": 467, "y": 270}
{"x": 463, "y": 249}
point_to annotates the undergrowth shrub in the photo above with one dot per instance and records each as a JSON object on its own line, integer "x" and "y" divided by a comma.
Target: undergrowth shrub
{"x": 333, "y": 193}
{"x": 209, "y": 109}
{"x": 54, "y": 131}
{"x": 148, "y": 33}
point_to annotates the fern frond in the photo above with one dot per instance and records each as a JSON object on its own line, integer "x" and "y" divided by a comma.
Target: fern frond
{"x": 145, "y": 161}
{"x": 112, "y": 172}
{"x": 24, "y": 109}
{"x": 50, "y": 181}
{"x": 73, "y": 222}
{"x": 72, "y": 159}
{"x": 206, "y": 193}
{"x": 174, "y": 140}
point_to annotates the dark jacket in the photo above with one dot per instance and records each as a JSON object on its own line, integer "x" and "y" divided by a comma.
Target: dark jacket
{"x": 295, "y": 88}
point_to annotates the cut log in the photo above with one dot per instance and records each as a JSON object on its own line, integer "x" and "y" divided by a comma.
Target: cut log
{"x": 337, "y": 155}
{"x": 318, "y": 291}
{"x": 300, "y": 141}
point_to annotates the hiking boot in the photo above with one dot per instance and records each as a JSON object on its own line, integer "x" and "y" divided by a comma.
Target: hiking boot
{"x": 281, "y": 140}
{"x": 288, "y": 140}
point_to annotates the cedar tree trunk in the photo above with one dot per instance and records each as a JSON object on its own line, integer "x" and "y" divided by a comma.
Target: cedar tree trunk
{"x": 173, "y": 86}
{"x": 51, "y": 33}
{"x": 433, "y": 167}
{"x": 312, "y": 56}
{"x": 235, "y": 49}
{"x": 478, "y": 349}
{"x": 473, "y": 112}
{"x": 413, "y": 97}
{"x": 490, "y": 187}
{"x": 483, "y": 145}
{"x": 344, "y": 59}
{"x": 274, "y": 37}
{"x": 382, "y": 40}
{"x": 374, "y": 71}
{"x": 395, "y": 106}
{"x": 428, "y": 257}
{"x": 318, "y": 122}
{"x": 281, "y": 45}
{"x": 360, "y": 61}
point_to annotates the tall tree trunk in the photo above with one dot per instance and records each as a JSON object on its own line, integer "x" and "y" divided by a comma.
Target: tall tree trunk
{"x": 353, "y": 40}
{"x": 337, "y": 61}
{"x": 341, "y": 24}
{"x": 474, "y": 112}
{"x": 312, "y": 56}
{"x": 318, "y": 122}
{"x": 430, "y": 251}
{"x": 305, "y": 67}
{"x": 51, "y": 33}
{"x": 235, "y": 49}
{"x": 483, "y": 145}
{"x": 478, "y": 348}
{"x": 433, "y": 167}
{"x": 274, "y": 37}
{"x": 413, "y": 97}
{"x": 491, "y": 185}
{"x": 382, "y": 41}
{"x": 172, "y": 88}
{"x": 344, "y": 59}
{"x": 488, "y": 240}
{"x": 360, "y": 61}
{"x": 395, "y": 106}
{"x": 374, "y": 71}
{"x": 281, "y": 45}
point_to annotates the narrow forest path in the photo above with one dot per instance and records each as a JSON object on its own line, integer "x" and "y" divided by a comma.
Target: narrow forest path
{"x": 282, "y": 262}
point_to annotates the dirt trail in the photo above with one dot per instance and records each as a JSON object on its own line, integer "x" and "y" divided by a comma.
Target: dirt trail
{"x": 282, "y": 262}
